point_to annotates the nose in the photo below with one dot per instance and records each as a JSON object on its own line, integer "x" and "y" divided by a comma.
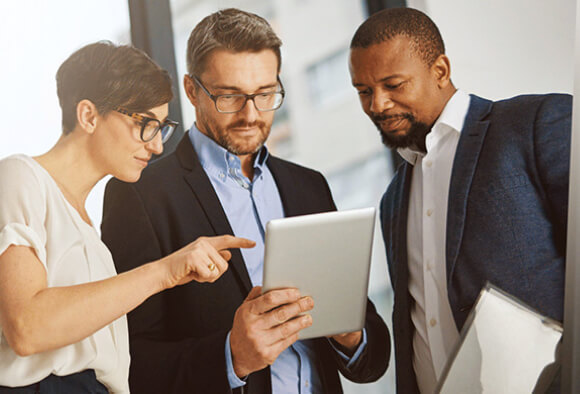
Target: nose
{"x": 250, "y": 112}
{"x": 155, "y": 146}
{"x": 380, "y": 102}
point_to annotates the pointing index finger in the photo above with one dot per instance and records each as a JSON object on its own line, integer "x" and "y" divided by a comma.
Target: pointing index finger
{"x": 229, "y": 242}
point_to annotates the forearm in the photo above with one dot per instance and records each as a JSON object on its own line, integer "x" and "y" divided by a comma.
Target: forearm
{"x": 73, "y": 313}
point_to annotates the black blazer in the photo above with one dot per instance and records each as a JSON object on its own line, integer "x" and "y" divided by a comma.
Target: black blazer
{"x": 177, "y": 337}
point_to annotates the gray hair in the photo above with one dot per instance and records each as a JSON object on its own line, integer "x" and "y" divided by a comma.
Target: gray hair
{"x": 233, "y": 30}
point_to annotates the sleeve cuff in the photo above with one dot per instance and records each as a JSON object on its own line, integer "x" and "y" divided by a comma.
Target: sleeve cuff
{"x": 22, "y": 235}
{"x": 233, "y": 379}
{"x": 352, "y": 360}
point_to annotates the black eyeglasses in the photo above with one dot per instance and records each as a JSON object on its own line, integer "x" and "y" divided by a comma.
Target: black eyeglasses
{"x": 150, "y": 126}
{"x": 232, "y": 103}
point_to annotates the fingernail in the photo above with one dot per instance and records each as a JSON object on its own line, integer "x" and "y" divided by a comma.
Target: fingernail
{"x": 307, "y": 320}
{"x": 306, "y": 303}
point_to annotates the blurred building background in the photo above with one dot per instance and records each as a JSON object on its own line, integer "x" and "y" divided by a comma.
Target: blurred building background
{"x": 497, "y": 49}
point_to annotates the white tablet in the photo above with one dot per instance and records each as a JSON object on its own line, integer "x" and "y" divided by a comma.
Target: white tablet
{"x": 326, "y": 256}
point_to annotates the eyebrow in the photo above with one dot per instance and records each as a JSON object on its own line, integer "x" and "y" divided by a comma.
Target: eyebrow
{"x": 382, "y": 79}
{"x": 237, "y": 89}
{"x": 152, "y": 115}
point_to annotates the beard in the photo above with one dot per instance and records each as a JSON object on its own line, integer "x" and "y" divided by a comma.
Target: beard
{"x": 228, "y": 139}
{"x": 414, "y": 138}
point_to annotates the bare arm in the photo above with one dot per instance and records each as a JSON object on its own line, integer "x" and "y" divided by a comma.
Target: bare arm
{"x": 29, "y": 309}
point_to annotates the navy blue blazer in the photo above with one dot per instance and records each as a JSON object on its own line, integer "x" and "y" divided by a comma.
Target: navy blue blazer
{"x": 507, "y": 214}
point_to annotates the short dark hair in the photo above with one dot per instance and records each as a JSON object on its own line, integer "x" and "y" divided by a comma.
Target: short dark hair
{"x": 233, "y": 30}
{"x": 408, "y": 22}
{"x": 110, "y": 76}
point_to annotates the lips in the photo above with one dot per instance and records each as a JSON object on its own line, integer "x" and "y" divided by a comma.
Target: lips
{"x": 242, "y": 126}
{"x": 243, "y": 129}
{"x": 142, "y": 161}
{"x": 391, "y": 125}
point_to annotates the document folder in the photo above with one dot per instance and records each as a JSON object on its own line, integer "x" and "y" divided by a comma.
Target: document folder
{"x": 504, "y": 347}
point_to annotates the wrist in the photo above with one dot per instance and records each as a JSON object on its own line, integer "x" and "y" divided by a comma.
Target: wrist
{"x": 241, "y": 372}
{"x": 347, "y": 343}
{"x": 156, "y": 276}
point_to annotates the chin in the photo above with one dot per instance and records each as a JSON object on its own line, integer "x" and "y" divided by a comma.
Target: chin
{"x": 129, "y": 177}
{"x": 245, "y": 147}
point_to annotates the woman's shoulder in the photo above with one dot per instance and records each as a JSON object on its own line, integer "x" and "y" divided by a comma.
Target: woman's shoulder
{"x": 20, "y": 163}
{"x": 18, "y": 172}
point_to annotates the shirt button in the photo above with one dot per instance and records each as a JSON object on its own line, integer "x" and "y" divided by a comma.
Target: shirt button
{"x": 429, "y": 212}
{"x": 222, "y": 175}
{"x": 433, "y": 322}
{"x": 307, "y": 384}
{"x": 429, "y": 163}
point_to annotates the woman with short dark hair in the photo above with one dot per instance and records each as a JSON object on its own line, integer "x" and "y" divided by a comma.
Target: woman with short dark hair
{"x": 62, "y": 306}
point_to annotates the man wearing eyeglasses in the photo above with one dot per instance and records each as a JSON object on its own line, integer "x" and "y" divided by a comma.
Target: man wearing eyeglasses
{"x": 221, "y": 180}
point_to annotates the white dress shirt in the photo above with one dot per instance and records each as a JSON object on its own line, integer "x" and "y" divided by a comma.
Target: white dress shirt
{"x": 34, "y": 213}
{"x": 435, "y": 330}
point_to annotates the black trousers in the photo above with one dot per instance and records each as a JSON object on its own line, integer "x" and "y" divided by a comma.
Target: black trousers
{"x": 81, "y": 383}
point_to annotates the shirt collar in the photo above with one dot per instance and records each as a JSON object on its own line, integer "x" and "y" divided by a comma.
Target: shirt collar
{"x": 215, "y": 157}
{"x": 452, "y": 116}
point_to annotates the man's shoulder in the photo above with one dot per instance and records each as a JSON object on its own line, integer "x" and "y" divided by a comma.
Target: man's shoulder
{"x": 530, "y": 104}
{"x": 562, "y": 98}
{"x": 278, "y": 164}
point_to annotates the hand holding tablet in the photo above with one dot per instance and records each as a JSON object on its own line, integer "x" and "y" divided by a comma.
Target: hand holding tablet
{"x": 325, "y": 256}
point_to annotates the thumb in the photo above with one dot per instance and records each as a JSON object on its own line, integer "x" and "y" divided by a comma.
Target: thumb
{"x": 226, "y": 254}
{"x": 254, "y": 293}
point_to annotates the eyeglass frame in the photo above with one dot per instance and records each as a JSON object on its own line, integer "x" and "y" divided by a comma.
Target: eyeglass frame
{"x": 143, "y": 120}
{"x": 215, "y": 98}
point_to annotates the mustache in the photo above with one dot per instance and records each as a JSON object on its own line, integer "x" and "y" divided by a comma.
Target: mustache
{"x": 383, "y": 117}
{"x": 243, "y": 124}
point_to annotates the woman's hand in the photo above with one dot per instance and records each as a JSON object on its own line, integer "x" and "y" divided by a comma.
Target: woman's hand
{"x": 203, "y": 260}
{"x": 29, "y": 308}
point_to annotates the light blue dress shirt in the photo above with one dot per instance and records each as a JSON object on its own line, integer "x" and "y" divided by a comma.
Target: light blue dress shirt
{"x": 249, "y": 205}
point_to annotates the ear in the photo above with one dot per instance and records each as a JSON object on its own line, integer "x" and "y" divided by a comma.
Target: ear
{"x": 441, "y": 69}
{"x": 190, "y": 89}
{"x": 87, "y": 116}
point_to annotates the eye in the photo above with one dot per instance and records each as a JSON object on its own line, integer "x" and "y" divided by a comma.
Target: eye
{"x": 265, "y": 97}
{"x": 229, "y": 98}
{"x": 365, "y": 92}
{"x": 394, "y": 86}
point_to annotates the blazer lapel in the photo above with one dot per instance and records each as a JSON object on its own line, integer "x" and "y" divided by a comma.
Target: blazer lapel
{"x": 204, "y": 192}
{"x": 399, "y": 232}
{"x": 285, "y": 186}
{"x": 464, "y": 165}
{"x": 294, "y": 200}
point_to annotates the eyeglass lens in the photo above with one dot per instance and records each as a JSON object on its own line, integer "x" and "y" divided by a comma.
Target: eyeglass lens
{"x": 263, "y": 102}
{"x": 152, "y": 127}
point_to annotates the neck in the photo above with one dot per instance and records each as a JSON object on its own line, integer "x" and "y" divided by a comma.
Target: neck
{"x": 69, "y": 163}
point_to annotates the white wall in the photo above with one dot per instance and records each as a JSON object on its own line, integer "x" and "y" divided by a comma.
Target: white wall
{"x": 501, "y": 48}
{"x": 36, "y": 36}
